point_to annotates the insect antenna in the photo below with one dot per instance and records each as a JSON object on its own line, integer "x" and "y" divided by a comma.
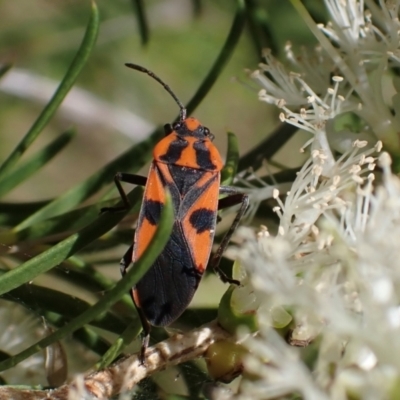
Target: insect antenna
{"x": 182, "y": 113}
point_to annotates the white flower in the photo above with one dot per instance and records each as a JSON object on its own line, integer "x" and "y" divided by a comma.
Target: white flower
{"x": 338, "y": 273}
{"x": 284, "y": 375}
{"x": 334, "y": 260}
{"x": 356, "y": 48}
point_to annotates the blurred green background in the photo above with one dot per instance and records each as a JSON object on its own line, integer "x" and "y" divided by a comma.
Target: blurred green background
{"x": 41, "y": 37}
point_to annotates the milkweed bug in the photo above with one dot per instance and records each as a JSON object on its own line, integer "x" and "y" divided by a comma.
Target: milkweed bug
{"x": 187, "y": 164}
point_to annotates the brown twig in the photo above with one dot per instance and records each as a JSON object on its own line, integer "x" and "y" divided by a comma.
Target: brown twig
{"x": 126, "y": 373}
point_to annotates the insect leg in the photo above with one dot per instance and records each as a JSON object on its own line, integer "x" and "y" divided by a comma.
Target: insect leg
{"x": 126, "y": 260}
{"x": 124, "y": 264}
{"x": 235, "y": 197}
{"x": 128, "y": 178}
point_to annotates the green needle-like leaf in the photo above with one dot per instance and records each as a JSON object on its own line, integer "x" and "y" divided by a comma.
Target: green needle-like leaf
{"x": 36, "y": 162}
{"x": 62, "y": 90}
{"x": 87, "y": 336}
{"x": 40, "y": 299}
{"x": 68, "y": 222}
{"x": 141, "y": 20}
{"x": 13, "y": 213}
{"x": 232, "y": 160}
{"x": 197, "y": 7}
{"x": 130, "y": 333}
{"x": 92, "y": 340}
{"x": 88, "y": 278}
{"x": 131, "y": 160}
{"x": 267, "y": 148}
{"x": 260, "y": 32}
{"x": 133, "y": 275}
{"x": 61, "y": 251}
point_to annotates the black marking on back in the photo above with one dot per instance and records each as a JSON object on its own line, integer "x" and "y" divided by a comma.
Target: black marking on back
{"x": 174, "y": 151}
{"x": 203, "y": 158}
{"x": 168, "y": 286}
{"x": 184, "y": 178}
{"x": 193, "y": 194}
{"x": 202, "y": 219}
{"x": 152, "y": 211}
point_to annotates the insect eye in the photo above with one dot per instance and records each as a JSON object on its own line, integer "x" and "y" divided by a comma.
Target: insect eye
{"x": 208, "y": 134}
{"x": 168, "y": 129}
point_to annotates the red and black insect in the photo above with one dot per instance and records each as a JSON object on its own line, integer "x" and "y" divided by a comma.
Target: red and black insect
{"x": 187, "y": 164}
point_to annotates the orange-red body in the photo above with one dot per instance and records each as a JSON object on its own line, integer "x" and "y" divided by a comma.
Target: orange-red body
{"x": 189, "y": 166}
